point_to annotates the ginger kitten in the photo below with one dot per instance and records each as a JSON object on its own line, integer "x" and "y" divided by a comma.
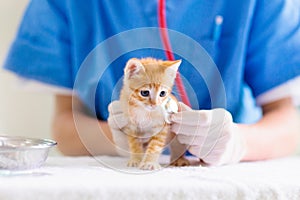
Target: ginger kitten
{"x": 147, "y": 101}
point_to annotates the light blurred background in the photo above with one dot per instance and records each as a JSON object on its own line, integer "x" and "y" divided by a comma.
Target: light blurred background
{"x": 22, "y": 113}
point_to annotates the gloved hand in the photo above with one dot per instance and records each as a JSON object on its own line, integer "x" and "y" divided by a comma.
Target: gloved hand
{"x": 116, "y": 121}
{"x": 210, "y": 135}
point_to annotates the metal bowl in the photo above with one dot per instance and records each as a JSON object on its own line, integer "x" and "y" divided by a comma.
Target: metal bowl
{"x": 20, "y": 153}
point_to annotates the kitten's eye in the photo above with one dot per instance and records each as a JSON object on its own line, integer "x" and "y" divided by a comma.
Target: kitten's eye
{"x": 145, "y": 93}
{"x": 163, "y": 93}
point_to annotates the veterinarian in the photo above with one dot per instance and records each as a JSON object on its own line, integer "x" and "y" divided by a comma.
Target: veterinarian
{"x": 255, "y": 45}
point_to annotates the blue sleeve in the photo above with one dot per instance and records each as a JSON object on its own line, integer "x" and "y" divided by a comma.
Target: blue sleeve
{"x": 41, "y": 49}
{"x": 274, "y": 45}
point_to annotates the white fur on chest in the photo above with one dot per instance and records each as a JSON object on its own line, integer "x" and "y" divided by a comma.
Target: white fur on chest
{"x": 147, "y": 122}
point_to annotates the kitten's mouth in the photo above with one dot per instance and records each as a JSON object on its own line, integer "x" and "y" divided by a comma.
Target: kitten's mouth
{"x": 151, "y": 107}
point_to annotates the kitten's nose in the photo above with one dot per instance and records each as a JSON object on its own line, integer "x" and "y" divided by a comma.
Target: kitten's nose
{"x": 153, "y": 102}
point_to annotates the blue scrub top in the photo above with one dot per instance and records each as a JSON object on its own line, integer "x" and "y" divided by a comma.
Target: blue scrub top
{"x": 258, "y": 47}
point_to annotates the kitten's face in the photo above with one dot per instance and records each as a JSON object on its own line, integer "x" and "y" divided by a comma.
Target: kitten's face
{"x": 149, "y": 81}
{"x": 151, "y": 96}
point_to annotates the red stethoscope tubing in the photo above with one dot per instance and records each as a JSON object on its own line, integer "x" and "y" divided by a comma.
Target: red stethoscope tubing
{"x": 162, "y": 22}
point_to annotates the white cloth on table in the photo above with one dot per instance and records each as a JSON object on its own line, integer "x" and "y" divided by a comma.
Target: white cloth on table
{"x": 90, "y": 178}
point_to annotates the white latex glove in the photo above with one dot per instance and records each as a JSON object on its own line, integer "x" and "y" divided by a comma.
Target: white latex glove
{"x": 116, "y": 121}
{"x": 210, "y": 135}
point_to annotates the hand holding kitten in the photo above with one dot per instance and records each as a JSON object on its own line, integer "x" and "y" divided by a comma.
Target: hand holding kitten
{"x": 117, "y": 121}
{"x": 210, "y": 135}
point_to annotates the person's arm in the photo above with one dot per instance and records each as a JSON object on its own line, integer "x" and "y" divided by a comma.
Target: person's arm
{"x": 75, "y": 135}
{"x": 276, "y": 134}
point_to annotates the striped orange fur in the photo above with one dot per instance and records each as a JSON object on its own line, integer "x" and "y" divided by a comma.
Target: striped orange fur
{"x": 145, "y": 94}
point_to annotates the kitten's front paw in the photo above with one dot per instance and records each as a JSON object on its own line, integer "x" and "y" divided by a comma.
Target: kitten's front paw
{"x": 180, "y": 162}
{"x": 133, "y": 163}
{"x": 150, "y": 166}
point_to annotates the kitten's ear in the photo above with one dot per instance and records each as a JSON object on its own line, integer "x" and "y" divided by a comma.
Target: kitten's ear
{"x": 172, "y": 68}
{"x": 133, "y": 68}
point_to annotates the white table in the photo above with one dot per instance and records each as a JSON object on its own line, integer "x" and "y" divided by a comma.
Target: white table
{"x": 88, "y": 178}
